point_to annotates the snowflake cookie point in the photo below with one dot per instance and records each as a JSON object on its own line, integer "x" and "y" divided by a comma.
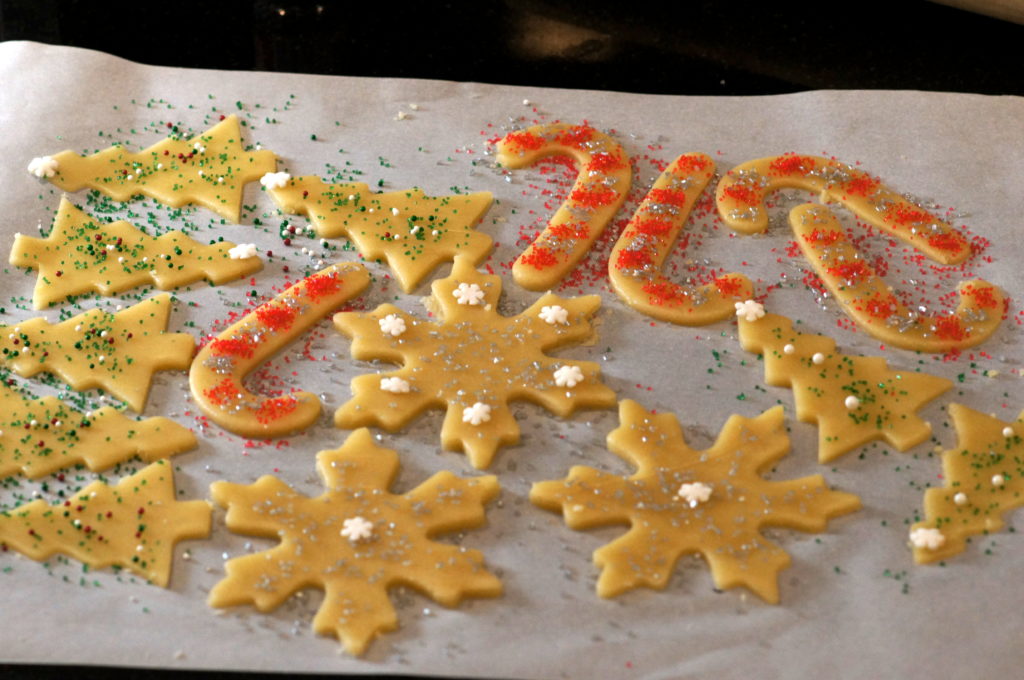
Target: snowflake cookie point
{"x": 316, "y": 533}
{"x": 725, "y": 502}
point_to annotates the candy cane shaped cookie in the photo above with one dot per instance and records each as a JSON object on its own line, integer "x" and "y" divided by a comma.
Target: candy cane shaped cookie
{"x": 635, "y": 263}
{"x": 867, "y": 299}
{"x": 598, "y": 193}
{"x": 220, "y": 367}
{"x": 741, "y": 201}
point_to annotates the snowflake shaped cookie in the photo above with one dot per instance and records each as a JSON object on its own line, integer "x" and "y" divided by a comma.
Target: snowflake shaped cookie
{"x": 684, "y": 501}
{"x": 355, "y": 541}
{"x": 471, "y": 359}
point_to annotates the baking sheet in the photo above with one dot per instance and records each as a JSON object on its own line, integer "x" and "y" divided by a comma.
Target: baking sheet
{"x": 853, "y": 603}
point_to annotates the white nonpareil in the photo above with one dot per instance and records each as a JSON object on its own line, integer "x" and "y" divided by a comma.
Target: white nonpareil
{"x": 357, "y": 529}
{"x": 43, "y": 166}
{"x": 554, "y": 314}
{"x": 243, "y": 251}
{"x": 568, "y": 376}
{"x": 275, "y": 180}
{"x": 694, "y": 493}
{"x": 395, "y": 385}
{"x": 476, "y": 414}
{"x": 392, "y": 324}
{"x": 923, "y": 537}
{"x": 852, "y": 403}
{"x": 468, "y": 294}
{"x": 749, "y": 310}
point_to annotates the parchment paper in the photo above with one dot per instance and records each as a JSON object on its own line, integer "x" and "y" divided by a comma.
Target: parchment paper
{"x": 853, "y": 603}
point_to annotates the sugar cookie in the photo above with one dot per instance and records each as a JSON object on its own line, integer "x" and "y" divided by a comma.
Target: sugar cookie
{"x": 83, "y": 255}
{"x": 413, "y": 232}
{"x": 635, "y": 264}
{"x": 116, "y": 352}
{"x": 742, "y": 191}
{"x": 602, "y": 184}
{"x": 210, "y": 169}
{"x": 134, "y": 524}
{"x": 472, "y": 362}
{"x": 220, "y": 368}
{"x": 983, "y": 478}
{"x": 866, "y": 298}
{"x": 680, "y": 501}
{"x": 854, "y": 400}
{"x": 355, "y": 541}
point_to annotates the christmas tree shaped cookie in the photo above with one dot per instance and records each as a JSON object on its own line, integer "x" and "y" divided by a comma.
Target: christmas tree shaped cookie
{"x": 683, "y": 501}
{"x": 854, "y": 400}
{"x": 220, "y": 367}
{"x": 115, "y": 352}
{"x": 82, "y": 255}
{"x": 355, "y": 541}
{"x": 413, "y": 232}
{"x": 210, "y": 169}
{"x": 472, "y": 362}
{"x": 40, "y": 436}
{"x": 134, "y": 524}
{"x": 983, "y": 478}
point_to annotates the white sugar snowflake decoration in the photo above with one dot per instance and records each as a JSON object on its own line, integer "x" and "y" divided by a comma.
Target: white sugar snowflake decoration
{"x": 395, "y": 385}
{"x": 694, "y": 493}
{"x": 275, "y": 180}
{"x": 924, "y": 537}
{"x": 468, "y": 294}
{"x": 43, "y": 167}
{"x": 393, "y": 325}
{"x": 243, "y": 251}
{"x": 554, "y": 314}
{"x": 568, "y": 376}
{"x": 749, "y": 310}
{"x": 357, "y": 529}
{"x": 476, "y": 414}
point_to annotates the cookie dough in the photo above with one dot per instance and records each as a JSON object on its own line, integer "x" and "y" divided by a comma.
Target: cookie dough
{"x": 681, "y": 501}
{"x": 604, "y": 179}
{"x": 471, "y": 362}
{"x": 635, "y": 263}
{"x": 82, "y": 255}
{"x": 413, "y": 232}
{"x": 220, "y": 367}
{"x": 210, "y": 169}
{"x": 134, "y": 525}
{"x": 355, "y": 541}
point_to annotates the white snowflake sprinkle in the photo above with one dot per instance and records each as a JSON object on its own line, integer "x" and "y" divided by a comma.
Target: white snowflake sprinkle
{"x": 44, "y": 166}
{"x": 694, "y": 493}
{"x": 395, "y": 385}
{"x": 749, "y": 310}
{"x": 554, "y": 314}
{"x": 243, "y": 251}
{"x": 476, "y": 414}
{"x": 392, "y": 324}
{"x": 357, "y": 529}
{"x": 923, "y": 537}
{"x": 468, "y": 294}
{"x": 568, "y": 376}
{"x": 275, "y": 180}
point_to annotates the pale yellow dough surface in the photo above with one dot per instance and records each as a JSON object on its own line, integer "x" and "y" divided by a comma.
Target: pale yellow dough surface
{"x": 210, "y": 169}
{"x": 413, "y": 232}
{"x": 220, "y": 367}
{"x": 663, "y": 526}
{"x": 134, "y": 525}
{"x": 470, "y": 356}
{"x": 823, "y": 379}
{"x": 117, "y": 352}
{"x": 355, "y": 574}
{"x": 84, "y": 255}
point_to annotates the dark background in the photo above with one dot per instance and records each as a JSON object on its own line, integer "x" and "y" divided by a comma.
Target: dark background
{"x": 705, "y": 47}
